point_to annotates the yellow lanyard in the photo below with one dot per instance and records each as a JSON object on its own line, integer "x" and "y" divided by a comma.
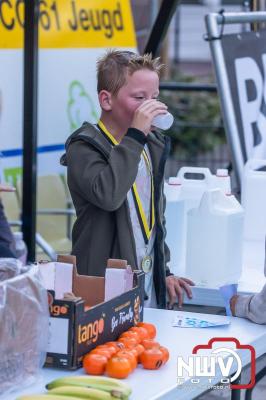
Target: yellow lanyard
{"x": 145, "y": 226}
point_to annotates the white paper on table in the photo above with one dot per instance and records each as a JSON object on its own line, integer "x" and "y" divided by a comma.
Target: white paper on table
{"x": 183, "y": 321}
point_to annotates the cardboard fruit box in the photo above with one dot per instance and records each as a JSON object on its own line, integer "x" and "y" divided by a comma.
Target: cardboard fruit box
{"x": 80, "y": 324}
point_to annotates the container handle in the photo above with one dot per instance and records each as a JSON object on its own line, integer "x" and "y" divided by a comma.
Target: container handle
{"x": 205, "y": 172}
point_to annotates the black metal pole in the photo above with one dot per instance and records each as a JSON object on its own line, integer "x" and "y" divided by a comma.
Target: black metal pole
{"x": 236, "y": 393}
{"x": 30, "y": 125}
{"x": 160, "y": 27}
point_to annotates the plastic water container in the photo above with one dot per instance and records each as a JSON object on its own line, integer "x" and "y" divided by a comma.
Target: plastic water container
{"x": 222, "y": 181}
{"x": 253, "y": 199}
{"x": 215, "y": 240}
{"x": 196, "y": 180}
{"x": 174, "y": 215}
{"x": 183, "y": 193}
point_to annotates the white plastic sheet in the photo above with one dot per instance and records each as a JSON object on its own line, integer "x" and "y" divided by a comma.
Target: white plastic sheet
{"x": 24, "y": 319}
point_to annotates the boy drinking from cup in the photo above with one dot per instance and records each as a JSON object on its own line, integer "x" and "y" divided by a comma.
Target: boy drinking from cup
{"x": 116, "y": 175}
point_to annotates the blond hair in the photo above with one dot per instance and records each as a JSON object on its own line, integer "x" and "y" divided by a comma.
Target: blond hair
{"x": 115, "y": 65}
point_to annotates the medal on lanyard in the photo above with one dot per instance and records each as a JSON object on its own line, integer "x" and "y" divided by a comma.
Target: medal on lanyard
{"x": 146, "y": 227}
{"x": 146, "y": 264}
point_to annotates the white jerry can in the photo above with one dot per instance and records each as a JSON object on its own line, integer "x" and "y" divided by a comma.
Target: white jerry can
{"x": 183, "y": 193}
{"x": 215, "y": 240}
{"x": 253, "y": 200}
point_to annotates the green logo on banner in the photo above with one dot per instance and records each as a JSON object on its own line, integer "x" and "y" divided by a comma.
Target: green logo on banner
{"x": 12, "y": 175}
{"x": 80, "y": 106}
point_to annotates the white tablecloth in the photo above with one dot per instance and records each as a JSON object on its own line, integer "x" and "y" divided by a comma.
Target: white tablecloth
{"x": 161, "y": 384}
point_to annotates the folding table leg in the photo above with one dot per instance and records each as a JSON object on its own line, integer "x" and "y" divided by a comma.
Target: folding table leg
{"x": 236, "y": 393}
{"x": 259, "y": 376}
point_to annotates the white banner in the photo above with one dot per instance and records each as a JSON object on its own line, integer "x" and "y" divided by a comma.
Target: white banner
{"x": 72, "y": 35}
{"x": 245, "y": 59}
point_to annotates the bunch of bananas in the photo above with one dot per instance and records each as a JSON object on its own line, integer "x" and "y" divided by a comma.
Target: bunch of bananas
{"x": 83, "y": 387}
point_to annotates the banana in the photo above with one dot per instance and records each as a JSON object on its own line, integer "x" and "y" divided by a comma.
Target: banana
{"x": 115, "y": 387}
{"x": 44, "y": 396}
{"x": 82, "y": 392}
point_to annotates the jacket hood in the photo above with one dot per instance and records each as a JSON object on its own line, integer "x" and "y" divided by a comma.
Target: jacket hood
{"x": 79, "y": 134}
{"x": 89, "y": 132}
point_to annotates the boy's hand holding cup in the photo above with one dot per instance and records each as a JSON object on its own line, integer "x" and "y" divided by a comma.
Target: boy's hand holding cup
{"x": 151, "y": 113}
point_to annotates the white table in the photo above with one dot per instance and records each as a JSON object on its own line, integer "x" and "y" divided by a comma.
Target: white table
{"x": 161, "y": 384}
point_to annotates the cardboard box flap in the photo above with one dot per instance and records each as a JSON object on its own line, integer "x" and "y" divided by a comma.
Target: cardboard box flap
{"x": 57, "y": 277}
{"x": 116, "y": 263}
{"x": 67, "y": 258}
{"x": 90, "y": 288}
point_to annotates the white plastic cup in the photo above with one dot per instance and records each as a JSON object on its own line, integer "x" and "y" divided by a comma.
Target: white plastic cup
{"x": 163, "y": 121}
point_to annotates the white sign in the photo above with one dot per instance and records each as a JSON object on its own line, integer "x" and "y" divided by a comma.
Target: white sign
{"x": 73, "y": 34}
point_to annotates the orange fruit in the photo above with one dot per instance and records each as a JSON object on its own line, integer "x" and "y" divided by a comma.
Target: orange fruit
{"x": 129, "y": 342}
{"x": 102, "y": 351}
{"x": 118, "y": 367}
{"x": 149, "y": 327}
{"x": 165, "y": 352}
{"x": 111, "y": 349}
{"x": 142, "y": 332}
{"x": 134, "y": 351}
{"x": 139, "y": 349}
{"x": 131, "y": 334}
{"x": 94, "y": 364}
{"x": 150, "y": 343}
{"x": 118, "y": 346}
{"x": 130, "y": 356}
{"x": 152, "y": 358}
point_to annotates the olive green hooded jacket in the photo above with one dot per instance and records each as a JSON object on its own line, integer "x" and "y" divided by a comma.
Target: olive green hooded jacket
{"x": 99, "y": 177}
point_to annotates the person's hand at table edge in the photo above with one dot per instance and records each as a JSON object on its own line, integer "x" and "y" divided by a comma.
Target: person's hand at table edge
{"x": 6, "y": 188}
{"x": 233, "y": 301}
{"x": 176, "y": 287}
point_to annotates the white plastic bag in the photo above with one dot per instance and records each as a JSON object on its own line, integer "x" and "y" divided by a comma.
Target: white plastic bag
{"x": 24, "y": 319}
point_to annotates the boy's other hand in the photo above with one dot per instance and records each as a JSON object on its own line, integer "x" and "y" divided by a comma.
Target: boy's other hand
{"x": 233, "y": 301}
{"x": 145, "y": 113}
{"x": 176, "y": 287}
{"x": 6, "y": 188}
{"x": 228, "y": 292}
